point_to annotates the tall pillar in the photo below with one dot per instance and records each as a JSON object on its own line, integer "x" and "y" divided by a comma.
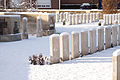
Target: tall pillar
{"x": 24, "y": 28}
{"x": 39, "y": 29}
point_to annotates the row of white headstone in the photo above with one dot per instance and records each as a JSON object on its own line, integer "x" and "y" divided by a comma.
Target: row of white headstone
{"x": 110, "y": 18}
{"x": 77, "y": 18}
{"x": 59, "y": 44}
{"x": 39, "y": 30}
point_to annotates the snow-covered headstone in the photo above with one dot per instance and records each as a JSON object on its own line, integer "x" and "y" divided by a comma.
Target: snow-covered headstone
{"x": 81, "y": 18}
{"x": 73, "y": 19}
{"x": 101, "y": 38}
{"x": 74, "y": 44}
{"x": 93, "y": 47}
{"x": 110, "y": 19}
{"x": 104, "y": 17}
{"x": 91, "y": 17}
{"x": 94, "y": 17}
{"x": 107, "y": 19}
{"x": 116, "y": 65}
{"x": 70, "y": 19}
{"x": 61, "y": 17}
{"x": 108, "y": 37}
{"x": 119, "y": 35}
{"x": 97, "y": 16}
{"x": 84, "y": 18}
{"x": 77, "y": 18}
{"x": 54, "y": 48}
{"x": 114, "y": 35}
{"x": 57, "y": 17}
{"x": 64, "y": 46}
{"x": 84, "y": 43}
{"x": 87, "y": 17}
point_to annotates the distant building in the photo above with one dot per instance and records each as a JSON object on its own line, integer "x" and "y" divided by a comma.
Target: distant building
{"x": 50, "y": 4}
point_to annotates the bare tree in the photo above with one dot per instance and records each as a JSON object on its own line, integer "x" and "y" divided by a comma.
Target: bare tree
{"x": 109, "y": 6}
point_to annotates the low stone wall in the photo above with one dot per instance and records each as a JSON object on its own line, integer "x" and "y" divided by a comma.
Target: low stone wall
{"x": 10, "y": 37}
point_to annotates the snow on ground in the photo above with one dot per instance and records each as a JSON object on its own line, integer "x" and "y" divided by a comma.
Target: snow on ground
{"x": 14, "y": 57}
{"x": 14, "y": 61}
{"x": 79, "y": 27}
{"x": 97, "y": 66}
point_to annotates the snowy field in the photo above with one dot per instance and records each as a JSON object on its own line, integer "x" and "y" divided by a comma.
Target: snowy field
{"x": 14, "y": 63}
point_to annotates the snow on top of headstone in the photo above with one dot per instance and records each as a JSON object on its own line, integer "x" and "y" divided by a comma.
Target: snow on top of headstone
{"x": 25, "y": 18}
{"x": 116, "y": 53}
{"x": 101, "y": 27}
{"x": 38, "y": 17}
{"x": 54, "y": 35}
{"x": 109, "y": 26}
{"x": 74, "y": 32}
{"x": 64, "y": 33}
{"x": 92, "y": 29}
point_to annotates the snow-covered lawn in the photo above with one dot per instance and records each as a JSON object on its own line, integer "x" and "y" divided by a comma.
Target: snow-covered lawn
{"x": 14, "y": 60}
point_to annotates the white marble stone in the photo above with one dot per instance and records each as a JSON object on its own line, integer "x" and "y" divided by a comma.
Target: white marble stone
{"x": 64, "y": 46}
{"x": 75, "y": 44}
{"x": 84, "y": 43}
{"x": 93, "y": 47}
{"x": 54, "y": 49}
{"x": 108, "y": 37}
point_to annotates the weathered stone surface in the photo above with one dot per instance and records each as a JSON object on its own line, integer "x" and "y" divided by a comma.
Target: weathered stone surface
{"x": 54, "y": 49}
{"x": 74, "y": 44}
{"x": 39, "y": 30}
{"x": 84, "y": 43}
{"x": 24, "y": 28}
{"x": 64, "y": 46}
{"x": 100, "y": 38}
{"x": 107, "y": 37}
{"x": 93, "y": 47}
